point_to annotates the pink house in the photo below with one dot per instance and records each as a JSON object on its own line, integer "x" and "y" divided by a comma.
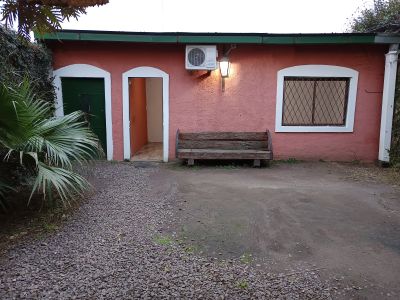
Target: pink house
{"x": 322, "y": 96}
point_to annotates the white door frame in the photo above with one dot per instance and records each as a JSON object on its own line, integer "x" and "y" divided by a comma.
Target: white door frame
{"x": 145, "y": 72}
{"x": 86, "y": 71}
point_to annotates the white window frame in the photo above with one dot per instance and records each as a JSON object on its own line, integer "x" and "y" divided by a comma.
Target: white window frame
{"x": 317, "y": 71}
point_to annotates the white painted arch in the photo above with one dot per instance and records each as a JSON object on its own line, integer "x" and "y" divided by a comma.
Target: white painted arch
{"x": 87, "y": 71}
{"x": 145, "y": 72}
{"x": 317, "y": 71}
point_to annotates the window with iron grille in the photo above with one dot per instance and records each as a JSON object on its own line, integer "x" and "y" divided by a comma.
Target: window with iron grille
{"x": 315, "y": 101}
{"x": 316, "y": 98}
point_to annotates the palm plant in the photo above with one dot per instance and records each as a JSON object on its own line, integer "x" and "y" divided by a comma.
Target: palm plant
{"x": 46, "y": 145}
{"x": 4, "y": 188}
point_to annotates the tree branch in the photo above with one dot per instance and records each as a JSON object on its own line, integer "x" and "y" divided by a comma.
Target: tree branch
{"x": 66, "y": 3}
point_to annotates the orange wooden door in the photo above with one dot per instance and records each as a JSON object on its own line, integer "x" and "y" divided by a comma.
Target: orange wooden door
{"x": 137, "y": 113}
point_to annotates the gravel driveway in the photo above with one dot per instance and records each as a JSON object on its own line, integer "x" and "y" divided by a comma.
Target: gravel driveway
{"x": 113, "y": 248}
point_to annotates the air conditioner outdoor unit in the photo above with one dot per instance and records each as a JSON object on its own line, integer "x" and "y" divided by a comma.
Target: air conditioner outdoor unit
{"x": 201, "y": 57}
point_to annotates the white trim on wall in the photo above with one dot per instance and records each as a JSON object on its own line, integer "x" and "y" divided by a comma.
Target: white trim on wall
{"x": 389, "y": 88}
{"x": 317, "y": 71}
{"x": 87, "y": 71}
{"x": 145, "y": 72}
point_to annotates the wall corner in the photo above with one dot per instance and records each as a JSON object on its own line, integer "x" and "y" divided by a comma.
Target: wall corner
{"x": 389, "y": 87}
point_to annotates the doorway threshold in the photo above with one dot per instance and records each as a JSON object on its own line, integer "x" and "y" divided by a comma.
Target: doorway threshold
{"x": 149, "y": 152}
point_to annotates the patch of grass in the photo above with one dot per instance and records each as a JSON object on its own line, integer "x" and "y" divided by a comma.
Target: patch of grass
{"x": 190, "y": 249}
{"x": 49, "y": 227}
{"x": 246, "y": 258}
{"x": 184, "y": 229}
{"x": 167, "y": 269}
{"x": 181, "y": 166}
{"x": 163, "y": 240}
{"x": 228, "y": 167}
{"x": 373, "y": 174}
{"x": 242, "y": 284}
{"x": 194, "y": 167}
{"x": 290, "y": 160}
{"x": 175, "y": 164}
{"x": 33, "y": 221}
{"x": 181, "y": 241}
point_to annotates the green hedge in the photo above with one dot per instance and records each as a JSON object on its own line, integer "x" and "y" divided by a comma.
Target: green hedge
{"x": 20, "y": 58}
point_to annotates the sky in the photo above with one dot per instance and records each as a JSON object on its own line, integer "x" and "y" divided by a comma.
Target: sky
{"x": 270, "y": 16}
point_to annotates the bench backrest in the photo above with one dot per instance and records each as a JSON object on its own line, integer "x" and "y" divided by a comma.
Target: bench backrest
{"x": 224, "y": 140}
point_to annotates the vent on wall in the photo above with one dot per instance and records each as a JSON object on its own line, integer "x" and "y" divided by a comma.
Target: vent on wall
{"x": 201, "y": 57}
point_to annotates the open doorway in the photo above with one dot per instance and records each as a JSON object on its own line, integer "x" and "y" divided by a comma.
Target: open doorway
{"x": 146, "y": 118}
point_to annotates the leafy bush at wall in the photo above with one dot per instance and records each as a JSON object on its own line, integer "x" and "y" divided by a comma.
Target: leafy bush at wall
{"x": 21, "y": 59}
{"x": 37, "y": 150}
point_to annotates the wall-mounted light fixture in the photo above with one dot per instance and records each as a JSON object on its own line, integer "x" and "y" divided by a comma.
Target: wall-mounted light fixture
{"x": 224, "y": 66}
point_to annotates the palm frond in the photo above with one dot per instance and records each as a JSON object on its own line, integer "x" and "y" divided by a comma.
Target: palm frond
{"x": 20, "y": 113}
{"x": 48, "y": 144}
{"x": 66, "y": 139}
{"x": 66, "y": 183}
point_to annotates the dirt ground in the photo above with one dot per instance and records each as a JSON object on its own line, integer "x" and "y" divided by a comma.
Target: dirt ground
{"x": 342, "y": 220}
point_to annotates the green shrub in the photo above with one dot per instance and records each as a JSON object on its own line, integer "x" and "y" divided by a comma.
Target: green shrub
{"x": 20, "y": 59}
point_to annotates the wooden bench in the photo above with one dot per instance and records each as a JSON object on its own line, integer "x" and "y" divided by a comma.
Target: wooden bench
{"x": 254, "y": 146}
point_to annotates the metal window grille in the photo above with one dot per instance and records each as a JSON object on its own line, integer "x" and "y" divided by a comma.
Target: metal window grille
{"x": 315, "y": 101}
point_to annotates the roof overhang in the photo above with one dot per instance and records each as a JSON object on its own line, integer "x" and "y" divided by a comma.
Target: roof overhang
{"x": 219, "y": 38}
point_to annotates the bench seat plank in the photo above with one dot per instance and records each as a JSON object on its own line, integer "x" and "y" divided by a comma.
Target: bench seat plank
{"x": 223, "y": 144}
{"x": 223, "y": 154}
{"x": 224, "y": 136}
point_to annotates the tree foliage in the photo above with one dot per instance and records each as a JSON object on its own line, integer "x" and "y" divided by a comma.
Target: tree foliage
{"x": 20, "y": 59}
{"x": 43, "y": 16}
{"x": 384, "y": 16}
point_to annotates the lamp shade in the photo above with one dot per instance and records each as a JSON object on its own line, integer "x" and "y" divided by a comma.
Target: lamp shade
{"x": 224, "y": 66}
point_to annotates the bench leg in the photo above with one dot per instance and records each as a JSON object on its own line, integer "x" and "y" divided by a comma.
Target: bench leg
{"x": 190, "y": 162}
{"x": 256, "y": 163}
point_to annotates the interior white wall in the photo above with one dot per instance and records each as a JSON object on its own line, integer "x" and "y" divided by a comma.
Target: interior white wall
{"x": 154, "y": 89}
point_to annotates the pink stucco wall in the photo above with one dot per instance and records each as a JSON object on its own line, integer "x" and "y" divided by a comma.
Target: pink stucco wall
{"x": 248, "y": 103}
